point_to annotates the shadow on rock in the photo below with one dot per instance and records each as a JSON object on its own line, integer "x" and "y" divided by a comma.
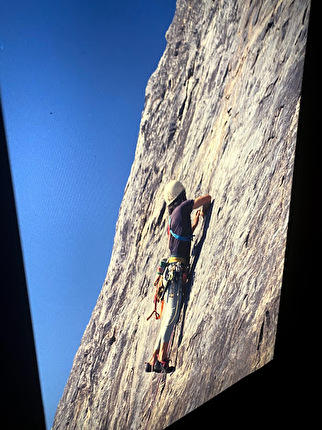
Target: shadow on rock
{"x": 196, "y": 250}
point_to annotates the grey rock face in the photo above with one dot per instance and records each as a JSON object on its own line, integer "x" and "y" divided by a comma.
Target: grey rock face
{"x": 220, "y": 115}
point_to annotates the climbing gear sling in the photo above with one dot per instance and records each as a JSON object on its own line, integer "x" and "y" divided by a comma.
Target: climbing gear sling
{"x": 160, "y": 290}
{"x": 157, "y": 314}
{"x": 177, "y": 236}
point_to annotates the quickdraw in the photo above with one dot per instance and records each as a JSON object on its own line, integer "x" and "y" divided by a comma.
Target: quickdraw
{"x": 158, "y": 297}
{"x": 157, "y": 314}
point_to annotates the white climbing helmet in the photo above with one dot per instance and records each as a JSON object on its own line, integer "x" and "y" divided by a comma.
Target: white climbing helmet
{"x": 172, "y": 190}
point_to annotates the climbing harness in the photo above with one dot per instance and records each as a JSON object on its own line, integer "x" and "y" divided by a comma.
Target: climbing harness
{"x": 175, "y": 259}
{"x": 177, "y": 236}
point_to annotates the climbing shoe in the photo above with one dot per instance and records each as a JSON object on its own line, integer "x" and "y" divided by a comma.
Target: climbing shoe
{"x": 165, "y": 366}
{"x": 148, "y": 367}
{"x": 157, "y": 367}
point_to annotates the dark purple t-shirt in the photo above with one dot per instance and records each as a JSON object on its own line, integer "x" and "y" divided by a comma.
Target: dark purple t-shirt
{"x": 181, "y": 225}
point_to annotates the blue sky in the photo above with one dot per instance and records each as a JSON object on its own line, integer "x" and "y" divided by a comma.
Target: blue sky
{"x": 73, "y": 75}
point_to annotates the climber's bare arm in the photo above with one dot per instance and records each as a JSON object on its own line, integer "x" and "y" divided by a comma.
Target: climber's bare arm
{"x": 203, "y": 201}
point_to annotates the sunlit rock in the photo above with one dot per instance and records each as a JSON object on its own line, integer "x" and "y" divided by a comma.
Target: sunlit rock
{"x": 220, "y": 115}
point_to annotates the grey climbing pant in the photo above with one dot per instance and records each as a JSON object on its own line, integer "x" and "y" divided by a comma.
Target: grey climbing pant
{"x": 172, "y": 303}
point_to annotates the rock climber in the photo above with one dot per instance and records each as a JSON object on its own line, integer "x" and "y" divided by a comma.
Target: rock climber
{"x": 172, "y": 273}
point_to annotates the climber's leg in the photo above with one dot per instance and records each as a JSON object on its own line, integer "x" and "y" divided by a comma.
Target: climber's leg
{"x": 171, "y": 316}
{"x": 172, "y": 306}
{"x": 154, "y": 357}
{"x": 163, "y": 351}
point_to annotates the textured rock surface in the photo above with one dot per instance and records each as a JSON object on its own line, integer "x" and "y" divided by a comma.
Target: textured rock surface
{"x": 221, "y": 115}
